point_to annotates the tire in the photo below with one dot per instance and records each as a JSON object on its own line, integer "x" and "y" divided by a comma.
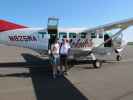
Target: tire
{"x": 118, "y": 57}
{"x": 97, "y": 64}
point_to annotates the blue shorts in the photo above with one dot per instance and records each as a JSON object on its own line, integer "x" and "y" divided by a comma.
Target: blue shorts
{"x": 55, "y": 59}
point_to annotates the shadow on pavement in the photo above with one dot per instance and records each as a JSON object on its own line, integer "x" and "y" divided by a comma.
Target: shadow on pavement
{"x": 45, "y": 87}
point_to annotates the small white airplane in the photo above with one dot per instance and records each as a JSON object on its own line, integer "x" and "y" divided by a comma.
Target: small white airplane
{"x": 89, "y": 43}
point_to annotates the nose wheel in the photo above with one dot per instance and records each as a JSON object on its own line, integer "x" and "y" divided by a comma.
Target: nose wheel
{"x": 97, "y": 64}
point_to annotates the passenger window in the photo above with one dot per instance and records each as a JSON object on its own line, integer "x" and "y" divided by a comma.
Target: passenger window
{"x": 72, "y": 35}
{"x": 42, "y": 34}
{"x": 62, "y": 35}
{"x": 93, "y": 35}
{"x": 83, "y": 35}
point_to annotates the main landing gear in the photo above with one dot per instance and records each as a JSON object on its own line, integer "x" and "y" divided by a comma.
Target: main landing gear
{"x": 118, "y": 56}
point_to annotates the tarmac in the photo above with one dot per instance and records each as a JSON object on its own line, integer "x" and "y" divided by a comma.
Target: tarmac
{"x": 24, "y": 75}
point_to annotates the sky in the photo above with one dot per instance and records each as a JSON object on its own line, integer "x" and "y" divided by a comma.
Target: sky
{"x": 71, "y": 13}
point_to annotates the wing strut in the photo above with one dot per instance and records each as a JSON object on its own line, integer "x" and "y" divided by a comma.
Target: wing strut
{"x": 114, "y": 36}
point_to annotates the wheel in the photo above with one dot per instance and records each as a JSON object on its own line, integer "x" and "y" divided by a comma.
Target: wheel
{"x": 97, "y": 64}
{"x": 118, "y": 57}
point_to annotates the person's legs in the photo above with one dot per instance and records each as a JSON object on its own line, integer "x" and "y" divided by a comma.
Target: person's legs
{"x": 54, "y": 71}
{"x": 54, "y": 67}
{"x": 61, "y": 64}
{"x": 66, "y": 64}
{"x": 58, "y": 65}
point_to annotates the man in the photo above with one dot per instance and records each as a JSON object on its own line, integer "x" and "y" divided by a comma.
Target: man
{"x": 64, "y": 50}
{"x": 55, "y": 60}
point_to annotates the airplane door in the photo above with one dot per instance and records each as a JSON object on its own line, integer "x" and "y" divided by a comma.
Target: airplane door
{"x": 43, "y": 37}
{"x": 52, "y": 29}
{"x": 109, "y": 43}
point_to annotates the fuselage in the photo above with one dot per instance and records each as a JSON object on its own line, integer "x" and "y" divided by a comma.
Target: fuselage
{"x": 38, "y": 38}
{"x": 33, "y": 38}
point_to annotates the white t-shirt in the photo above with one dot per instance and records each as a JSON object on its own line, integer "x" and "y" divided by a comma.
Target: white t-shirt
{"x": 55, "y": 48}
{"x": 64, "y": 48}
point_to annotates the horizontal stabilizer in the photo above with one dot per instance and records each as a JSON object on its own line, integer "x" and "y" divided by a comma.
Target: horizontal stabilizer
{"x": 5, "y": 26}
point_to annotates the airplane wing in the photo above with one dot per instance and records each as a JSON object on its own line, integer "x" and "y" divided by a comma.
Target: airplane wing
{"x": 110, "y": 26}
{"x": 122, "y": 25}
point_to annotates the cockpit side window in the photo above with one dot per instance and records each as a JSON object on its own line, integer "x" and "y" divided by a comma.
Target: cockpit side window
{"x": 93, "y": 35}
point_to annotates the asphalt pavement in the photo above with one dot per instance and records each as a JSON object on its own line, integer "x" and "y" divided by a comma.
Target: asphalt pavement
{"x": 24, "y": 75}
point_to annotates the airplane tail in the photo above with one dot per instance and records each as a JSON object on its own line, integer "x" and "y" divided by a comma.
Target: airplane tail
{"x": 5, "y": 26}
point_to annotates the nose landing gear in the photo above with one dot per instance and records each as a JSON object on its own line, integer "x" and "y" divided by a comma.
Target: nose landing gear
{"x": 97, "y": 64}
